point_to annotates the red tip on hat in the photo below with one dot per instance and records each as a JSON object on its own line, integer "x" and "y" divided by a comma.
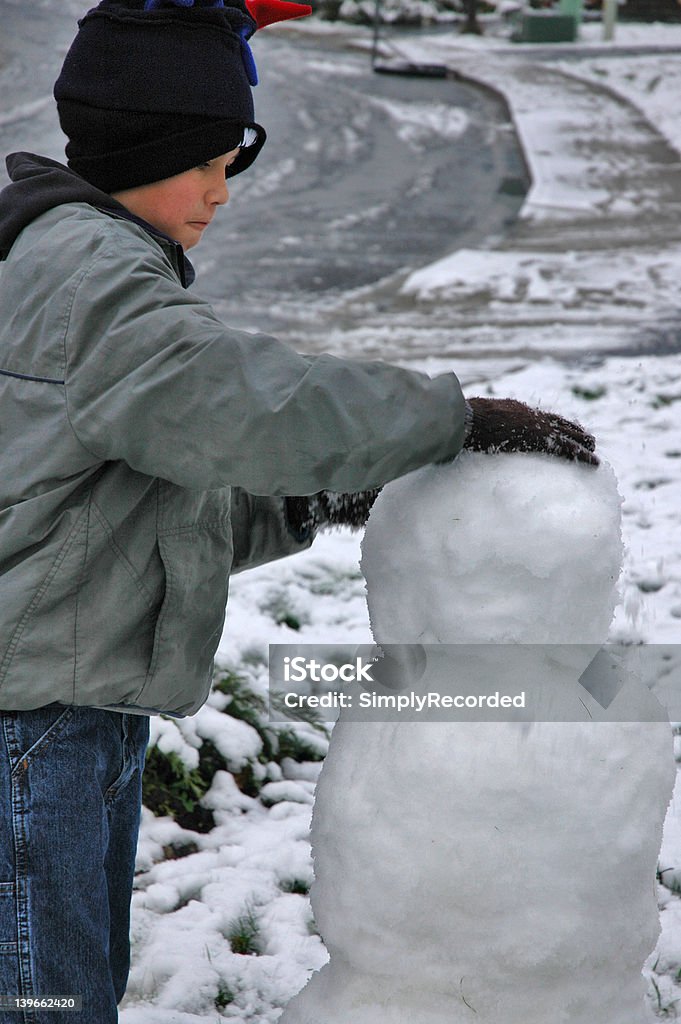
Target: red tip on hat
{"x": 267, "y": 12}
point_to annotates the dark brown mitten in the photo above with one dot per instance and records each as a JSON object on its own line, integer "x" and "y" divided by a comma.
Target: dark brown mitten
{"x": 300, "y": 516}
{"x": 329, "y": 508}
{"x": 505, "y": 425}
{"x": 338, "y": 509}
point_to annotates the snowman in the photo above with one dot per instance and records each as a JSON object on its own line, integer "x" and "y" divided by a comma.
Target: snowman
{"x": 492, "y": 871}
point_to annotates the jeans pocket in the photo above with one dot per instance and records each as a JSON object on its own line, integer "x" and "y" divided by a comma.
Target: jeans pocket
{"x": 28, "y": 733}
{"x": 10, "y": 983}
{"x": 7, "y": 918}
{"x": 134, "y": 736}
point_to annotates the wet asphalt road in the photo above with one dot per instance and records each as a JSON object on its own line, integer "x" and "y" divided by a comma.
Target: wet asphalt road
{"x": 362, "y": 174}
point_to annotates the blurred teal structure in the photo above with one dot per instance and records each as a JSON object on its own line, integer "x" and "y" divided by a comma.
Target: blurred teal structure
{"x": 549, "y": 26}
{"x": 572, "y": 7}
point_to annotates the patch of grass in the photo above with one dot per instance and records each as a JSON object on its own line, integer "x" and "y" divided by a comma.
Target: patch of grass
{"x": 177, "y": 850}
{"x": 297, "y": 746}
{"x": 663, "y": 1009}
{"x": 244, "y": 703}
{"x": 250, "y": 708}
{"x": 302, "y": 714}
{"x": 170, "y": 788}
{"x": 279, "y": 740}
{"x": 243, "y": 933}
{"x": 248, "y": 781}
{"x": 662, "y": 401}
{"x": 279, "y": 606}
{"x": 291, "y": 621}
{"x": 672, "y": 884}
{"x": 650, "y": 586}
{"x": 295, "y": 885}
{"x": 588, "y": 394}
{"x": 224, "y": 997}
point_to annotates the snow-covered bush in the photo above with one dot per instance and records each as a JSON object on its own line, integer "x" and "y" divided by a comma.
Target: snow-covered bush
{"x": 397, "y": 12}
{"x": 232, "y": 733}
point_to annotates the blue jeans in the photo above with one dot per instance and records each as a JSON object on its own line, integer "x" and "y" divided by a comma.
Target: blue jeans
{"x": 70, "y": 796}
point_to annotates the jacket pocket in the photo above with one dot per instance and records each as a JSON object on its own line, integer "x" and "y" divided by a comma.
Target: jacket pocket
{"x": 40, "y": 647}
{"x": 116, "y": 614}
{"x": 196, "y": 558}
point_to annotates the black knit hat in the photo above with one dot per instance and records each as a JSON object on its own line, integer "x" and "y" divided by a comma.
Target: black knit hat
{"x": 152, "y": 88}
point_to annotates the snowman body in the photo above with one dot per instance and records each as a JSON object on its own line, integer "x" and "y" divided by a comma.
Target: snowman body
{"x": 496, "y": 872}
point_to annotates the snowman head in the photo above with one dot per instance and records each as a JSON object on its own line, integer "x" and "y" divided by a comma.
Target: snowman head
{"x": 495, "y": 549}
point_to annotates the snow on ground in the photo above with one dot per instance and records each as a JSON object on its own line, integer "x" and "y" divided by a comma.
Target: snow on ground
{"x": 542, "y": 308}
{"x": 549, "y": 109}
{"x": 648, "y": 81}
{"x": 596, "y": 298}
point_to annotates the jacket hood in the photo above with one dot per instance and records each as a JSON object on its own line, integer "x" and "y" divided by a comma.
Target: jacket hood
{"x": 38, "y": 184}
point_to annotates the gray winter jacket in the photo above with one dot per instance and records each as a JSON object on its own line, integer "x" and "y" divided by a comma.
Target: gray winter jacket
{"x": 146, "y": 447}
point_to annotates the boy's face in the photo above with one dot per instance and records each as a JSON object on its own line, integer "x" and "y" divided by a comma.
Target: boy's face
{"x": 184, "y": 205}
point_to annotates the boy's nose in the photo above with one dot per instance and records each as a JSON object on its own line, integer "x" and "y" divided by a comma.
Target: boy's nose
{"x": 219, "y": 193}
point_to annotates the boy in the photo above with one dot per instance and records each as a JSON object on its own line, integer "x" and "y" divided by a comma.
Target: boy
{"x": 148, "y": 452}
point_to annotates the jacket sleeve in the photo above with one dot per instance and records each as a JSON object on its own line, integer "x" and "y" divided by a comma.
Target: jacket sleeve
{"x": 262, "y": 532}
{"x": 154, "y": 378}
